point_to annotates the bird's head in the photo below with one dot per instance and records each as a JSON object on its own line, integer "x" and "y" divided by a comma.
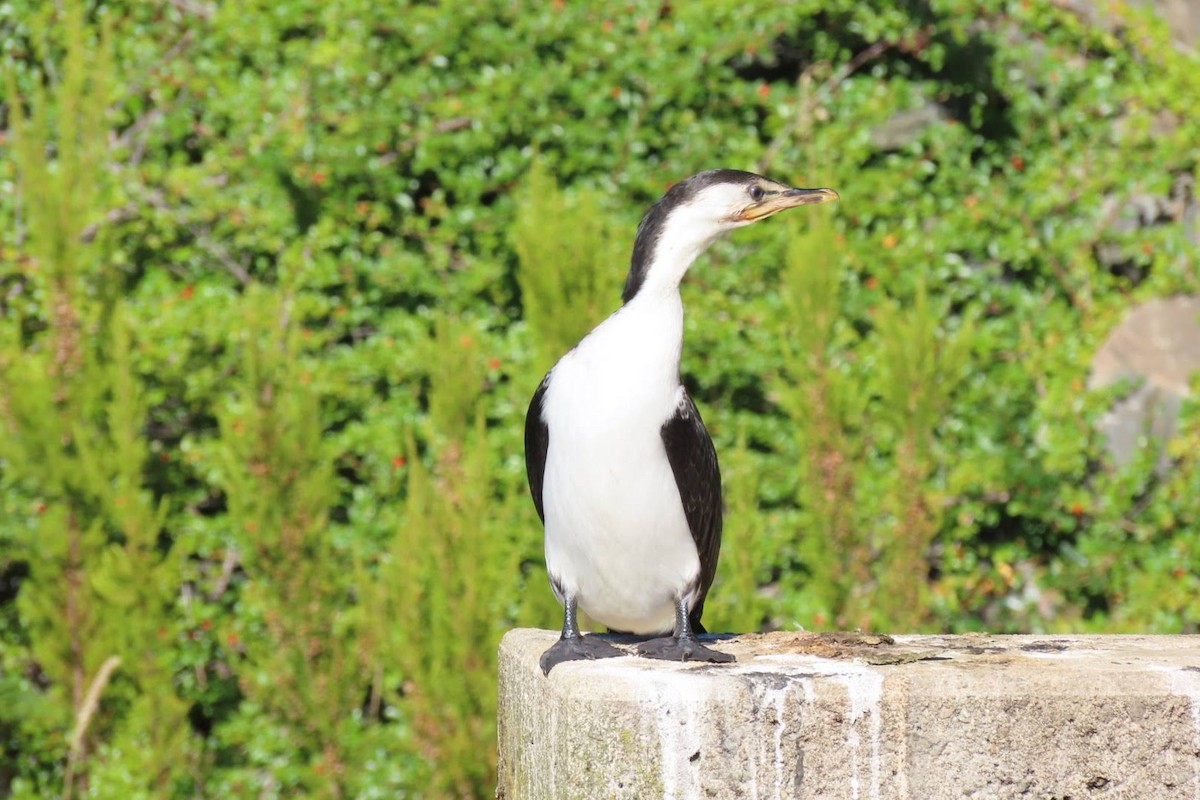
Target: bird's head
{"x": 695, "y": 211}
{"x": 727, "y": 198}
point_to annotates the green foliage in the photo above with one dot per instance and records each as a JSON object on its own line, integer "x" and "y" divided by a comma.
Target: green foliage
{"x": 918, "y": 366}
{"x": 865, "y": 408}
{"x": 440, "y": 616}
{"x": 278, "y": 280}
{"x": 296, "y": 630}
{"x": 826, "y": 402}
{"x": 447, "y": 611}
{"x": 569, "y": 268}
{"x": 100, "y": 588}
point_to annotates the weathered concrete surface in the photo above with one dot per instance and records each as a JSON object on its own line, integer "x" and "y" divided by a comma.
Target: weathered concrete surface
{"x": 859, "y": 716}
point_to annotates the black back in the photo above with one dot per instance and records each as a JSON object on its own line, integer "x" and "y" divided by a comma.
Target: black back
{"x": 537, "y": 442}
{"x": 651, "y": 226}
{"x": 698, "y": 476}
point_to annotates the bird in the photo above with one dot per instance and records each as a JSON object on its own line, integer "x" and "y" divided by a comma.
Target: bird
{"x": 622, "y": 471}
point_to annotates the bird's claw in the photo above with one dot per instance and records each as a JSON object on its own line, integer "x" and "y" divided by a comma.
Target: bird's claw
{"x": 577, "y": 648}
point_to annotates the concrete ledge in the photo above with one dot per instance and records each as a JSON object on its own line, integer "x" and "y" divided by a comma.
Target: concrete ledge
{"x": 858, "y": 716}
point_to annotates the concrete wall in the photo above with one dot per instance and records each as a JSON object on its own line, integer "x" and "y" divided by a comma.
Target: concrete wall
{"x": 859, "y": 716}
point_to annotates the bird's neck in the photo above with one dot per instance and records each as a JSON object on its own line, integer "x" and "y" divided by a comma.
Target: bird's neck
{"x": 663, "y": 252}
{"x": 652, "y": 330}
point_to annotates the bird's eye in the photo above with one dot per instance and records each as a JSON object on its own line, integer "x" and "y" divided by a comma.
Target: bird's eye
{"x": 757, "y": 193}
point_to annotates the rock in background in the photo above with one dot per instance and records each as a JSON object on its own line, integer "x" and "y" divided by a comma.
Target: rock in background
{"x": 1157, "y": 345}
{"x": 1181, "y": 16}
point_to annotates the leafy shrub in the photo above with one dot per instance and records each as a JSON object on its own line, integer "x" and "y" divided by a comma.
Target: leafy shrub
{"x": 279, "y": 281}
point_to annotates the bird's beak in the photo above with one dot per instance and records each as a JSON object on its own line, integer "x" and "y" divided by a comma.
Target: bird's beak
{"x": 789, "y": 198}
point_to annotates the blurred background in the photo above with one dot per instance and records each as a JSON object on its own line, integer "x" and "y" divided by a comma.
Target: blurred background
{"x": 277, "y": 280}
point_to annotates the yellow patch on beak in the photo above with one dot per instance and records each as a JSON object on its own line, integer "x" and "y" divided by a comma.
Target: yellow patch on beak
{"x": 779, "y": 201}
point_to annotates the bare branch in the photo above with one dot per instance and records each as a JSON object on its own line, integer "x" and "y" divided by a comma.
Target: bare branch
{"x": 122, "y": 214}
{"x": 84, "y": 718}
{"x": 203, "y": 238}
{"x": 228, "y": 565}
{"x": 1060, "y": 271}
{"x": 202, "y": 10}
{"x": 808, "y": 102}
{"x": 175, "y": 50}
{"x": 155, "y": 199}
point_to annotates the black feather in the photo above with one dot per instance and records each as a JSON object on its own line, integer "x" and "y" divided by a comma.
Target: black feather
{"x": 537, "y": 442}
{"x": 698, "y": 476}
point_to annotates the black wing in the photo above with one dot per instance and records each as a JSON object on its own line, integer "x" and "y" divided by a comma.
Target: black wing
{"x": 694, "y": 463}
{"x": 537, "y": 441}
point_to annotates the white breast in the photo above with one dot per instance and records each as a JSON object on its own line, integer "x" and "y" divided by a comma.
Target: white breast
{"x": 616, "y": 534}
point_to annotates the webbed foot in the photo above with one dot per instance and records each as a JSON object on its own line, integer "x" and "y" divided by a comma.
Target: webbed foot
{"x": 577, "y": 648}
{"x": 678, "y": 648}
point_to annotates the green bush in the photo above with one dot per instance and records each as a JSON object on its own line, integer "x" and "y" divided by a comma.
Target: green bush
{"x": 278, "y": 280}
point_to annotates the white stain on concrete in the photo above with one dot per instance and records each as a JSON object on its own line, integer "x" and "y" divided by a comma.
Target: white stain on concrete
{"x": 530, "y": 765}
{"x": 1057, "y": 655}
{"x": 778, "y": 701}
{"x": 773, "y": 700}
{"x": 864, "y": 693}
{"x": 679, "y": 698}
{"x": 1186, "y": 682}
{"x": 865, "y": 689}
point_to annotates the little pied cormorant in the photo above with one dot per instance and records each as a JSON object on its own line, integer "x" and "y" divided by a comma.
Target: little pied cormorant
{"x": 620, "y": 466}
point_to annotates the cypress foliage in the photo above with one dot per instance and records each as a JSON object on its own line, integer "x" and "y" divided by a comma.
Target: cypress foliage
{"x": 97, "y": 602}
{"x": 869, "y": 420}
{"x": 446, "y": 609}
{"x": 296, "y": 640}
{"x": 571, "y": 263}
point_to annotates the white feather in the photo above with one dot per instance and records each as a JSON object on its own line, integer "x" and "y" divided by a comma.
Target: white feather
{"x": 616, "y": 533}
